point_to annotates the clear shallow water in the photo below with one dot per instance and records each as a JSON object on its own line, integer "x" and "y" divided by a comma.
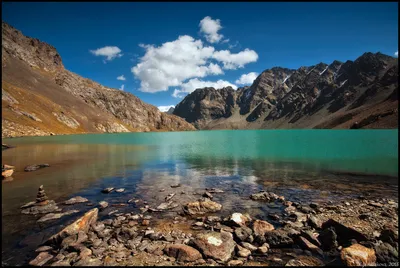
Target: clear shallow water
{"x": 302, "y": 165}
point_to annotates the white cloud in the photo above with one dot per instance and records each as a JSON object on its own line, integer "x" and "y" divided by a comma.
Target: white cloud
{"x": 235, "y": 60}
{"x": 210, "y": 28}
{"x": 246, "y": 79}
{"x": 121, "y": 77}
{"x": 109, "y": 52}
{"x": 122, "y": 87}
{"x": 195, "y": 83}
{"x": 396, "y": 53}
{"x": 172, "y": 63}
{"x": 165, "y": 108}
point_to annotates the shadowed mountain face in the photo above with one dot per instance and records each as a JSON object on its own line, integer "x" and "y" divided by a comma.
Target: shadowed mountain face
{"x": 359, "y": 94}
{"x": 41, "y": 97}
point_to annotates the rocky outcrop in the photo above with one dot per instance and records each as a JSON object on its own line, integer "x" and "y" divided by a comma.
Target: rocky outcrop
{"x": 319, "y": 96}
{"x": 40, "y": 97}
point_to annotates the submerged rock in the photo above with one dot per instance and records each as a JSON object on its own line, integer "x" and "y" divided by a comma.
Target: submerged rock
{"x": 36, "y": 208}
{"x": 168, "y": 205}
{"x": 358, "y": 255}
{"x": 75, "y": 200}
{"x": 202, "y": 207}
{"x": 266, "y": 196}
{"x": 176, "y": 185}
{"x": 107, "y": 190}
{"x": 54, "y": 216}
{"x": 219, "y": 246}
{"x": 35, "y": 167}
{"x": 169, "y": 197}
{"x": 214, "y": 190}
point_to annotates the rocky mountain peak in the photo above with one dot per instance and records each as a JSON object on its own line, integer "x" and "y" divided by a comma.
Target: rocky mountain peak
{"x": 36, "y": 53}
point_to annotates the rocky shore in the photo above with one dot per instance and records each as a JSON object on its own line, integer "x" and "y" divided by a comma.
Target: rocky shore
{"x": 356, "y": 232}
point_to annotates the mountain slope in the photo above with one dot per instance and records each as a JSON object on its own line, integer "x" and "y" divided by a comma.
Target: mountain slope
{"x": 359, "y": 94}
{"x": 41, "y": 97}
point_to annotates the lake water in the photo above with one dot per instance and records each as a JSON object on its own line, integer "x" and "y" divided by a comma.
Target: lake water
{"x": 302, "y": 165}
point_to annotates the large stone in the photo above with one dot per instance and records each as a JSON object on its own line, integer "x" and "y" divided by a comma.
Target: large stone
{"x": 328, "y": 239}
{"x": 38, "y": 208}
{"x": 103, "y": 204}
{"x": 219, "y": 246}
{"x": 202, "y": 207}
{"x": 314, "y": 221}
{"x": 81, "y": 224}
{"x": 261, "y": 227}
{"x": 238, "y": 219}
{"x": 182, "y": 252}
{"x": 243, "y": 233}
{"x": 41, "y": 259}
{"x": 358, "y": 255}
{"x": 305, "y": 261}
{"x": 390, "y": 234}
{"x": 385, "y": 253}
{"x": 35, "y": 167}
{"x": 107, "y": 190}
{"x": 344, "y": 233}
{"x": 278, "y": 239}
{"x": 75, "y": 200}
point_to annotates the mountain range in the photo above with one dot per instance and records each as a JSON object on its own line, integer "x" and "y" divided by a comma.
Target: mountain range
{"x": 352, "y": 94}
{"x": 40, "y": 97}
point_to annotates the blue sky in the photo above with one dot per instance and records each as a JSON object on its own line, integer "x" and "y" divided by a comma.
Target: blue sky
{"x": 164, "y": 50}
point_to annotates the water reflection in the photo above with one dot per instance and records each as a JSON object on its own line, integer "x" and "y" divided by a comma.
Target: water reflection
{"x": 238, "y": 162}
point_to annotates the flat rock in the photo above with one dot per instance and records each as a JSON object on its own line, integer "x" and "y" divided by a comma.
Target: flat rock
{"x": 37, "y": 208}
{"x": 182, "y": 252}
{"x": 219, "y": 246}
{"x": 176, "y": 185}
{"x": 54, "y": 216}
{"x": 75, "y": 200}
{"x": 35, "y": 167}
{"x": 7, "y": 173}
{"x": 202, "y": 207}
{"x": 43, "y": 248}
{"x": 41, "y": 259}
{"x": 358, "y": 255}
{"x": 235, "y": 262}
{"x": 120, "y": 190}
{"x": 81, "y": 224}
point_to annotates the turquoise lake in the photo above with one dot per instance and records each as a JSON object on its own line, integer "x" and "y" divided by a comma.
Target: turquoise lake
{"x": 299, "y": 164}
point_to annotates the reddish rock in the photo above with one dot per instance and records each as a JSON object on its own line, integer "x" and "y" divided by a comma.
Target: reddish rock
{"x": 182, "y": 252}
{"x": 261, "y": 227}
{"x": 358, "y": 255}
{"x": 219, "y": 246}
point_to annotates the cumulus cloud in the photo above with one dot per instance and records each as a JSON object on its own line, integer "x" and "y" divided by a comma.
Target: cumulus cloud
{"x": 110, "y": 52}
{"x": 232, "y": 61}
{"x": 246, "y": 79}
{"x": 396, "y": 53}
{"x": 195, "y": 83}
{"x": 165, "y": 108}
{"x": 121, "y": 77}
{"x": 172, "y": 63}
{"x": 210, "y": 28}
{"x": 122, "y": 87}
